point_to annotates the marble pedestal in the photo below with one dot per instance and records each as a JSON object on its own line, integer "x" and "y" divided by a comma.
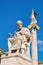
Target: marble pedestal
{"x": 15, "y": 59}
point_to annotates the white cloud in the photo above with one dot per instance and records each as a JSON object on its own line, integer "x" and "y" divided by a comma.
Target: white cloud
{"x": 40, "y": 45}
{"x": 40, "y": 41}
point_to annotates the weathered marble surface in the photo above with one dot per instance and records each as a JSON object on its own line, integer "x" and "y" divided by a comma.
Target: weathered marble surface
{"x": 15, "y": 59}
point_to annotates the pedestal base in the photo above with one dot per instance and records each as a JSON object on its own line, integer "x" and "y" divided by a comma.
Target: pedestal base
{"x": 15, "y": 59}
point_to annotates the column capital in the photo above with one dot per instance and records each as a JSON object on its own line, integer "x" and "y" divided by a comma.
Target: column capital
{"x": 34, "y": 26}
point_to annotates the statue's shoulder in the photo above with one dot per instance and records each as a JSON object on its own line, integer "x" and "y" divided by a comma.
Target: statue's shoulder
{"x": 25, "y": 28}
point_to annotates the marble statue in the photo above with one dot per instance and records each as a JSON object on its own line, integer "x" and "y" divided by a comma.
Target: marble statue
{"x": 21, "y": 39}
{"x": 33, "y": 21}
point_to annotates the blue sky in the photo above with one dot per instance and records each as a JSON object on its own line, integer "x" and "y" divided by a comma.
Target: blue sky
{"x": 13, "y": 10}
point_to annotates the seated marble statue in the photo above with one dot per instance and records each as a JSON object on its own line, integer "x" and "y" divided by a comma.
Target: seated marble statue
{"x": 21, "y": 38}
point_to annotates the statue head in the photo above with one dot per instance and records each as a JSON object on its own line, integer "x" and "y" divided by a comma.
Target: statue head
{"x": 19, "y": 24}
